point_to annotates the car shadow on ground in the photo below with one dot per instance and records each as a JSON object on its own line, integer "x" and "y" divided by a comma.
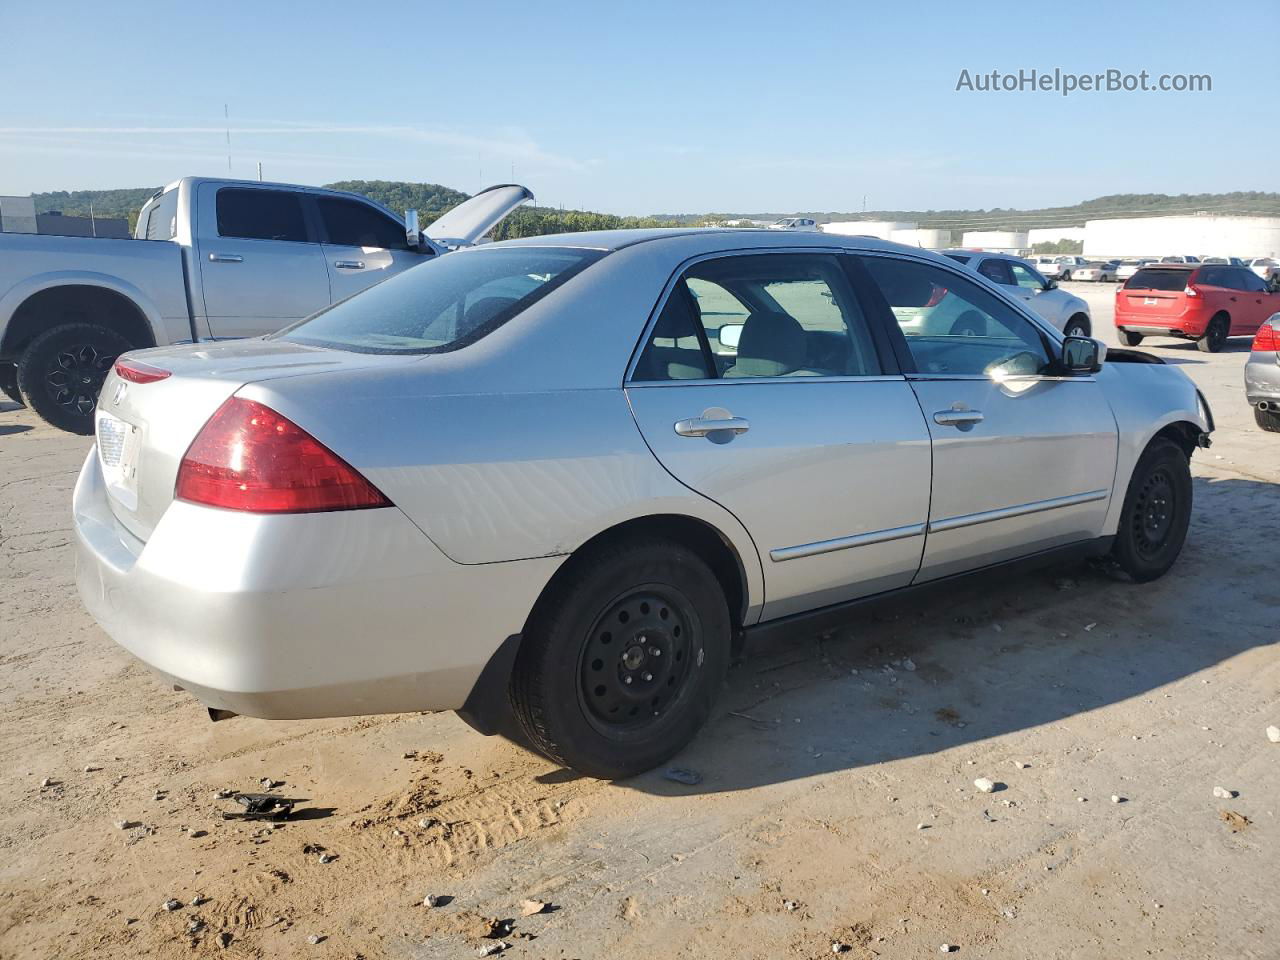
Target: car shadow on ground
{"x": 1234, "y": 345}
{"x": 1034, "y": 650}
{"x": 8, "y": 428}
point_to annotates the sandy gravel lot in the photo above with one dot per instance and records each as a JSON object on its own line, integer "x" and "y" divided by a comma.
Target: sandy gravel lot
{"x": 836, "y": 807}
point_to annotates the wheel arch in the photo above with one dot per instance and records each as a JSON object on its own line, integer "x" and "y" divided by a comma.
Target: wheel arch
{"x": 30, "y": 306}
{"x": 488, "y": 708}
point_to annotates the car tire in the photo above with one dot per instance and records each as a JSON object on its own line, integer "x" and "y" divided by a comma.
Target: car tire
{"x": 1215, "y": 337}
{"x": 1077, "y": 326}
{"x": 1129, "y": 339}
{"x": 61, "y": 372}
{"x": 9, "y": 383}
{"x": 622, "y": 660}
{"x": 1268, "y": 420}
{"x": 1156, "y": 512}
{"x": 1066, "y": 276}
{"x": 971, "y": 323}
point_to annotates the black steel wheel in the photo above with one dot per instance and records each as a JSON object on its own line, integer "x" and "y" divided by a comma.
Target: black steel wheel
{"x": 1215, "y": 337}
{"x": 62, "y": 370}
{"x": 1156, "y": 512}
{"x": 622, "y": 659}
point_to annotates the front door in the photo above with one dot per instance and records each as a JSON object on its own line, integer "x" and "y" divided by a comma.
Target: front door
{"x": 1023, "y": 458}
{"x": 260, "y": 268}
{"x": 361, "y": 245}
{"x": 763, "y": 388}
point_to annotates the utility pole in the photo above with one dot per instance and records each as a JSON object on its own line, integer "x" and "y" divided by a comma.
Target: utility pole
{"x": 93, "y": 223}
{"x": 259, "y": 171}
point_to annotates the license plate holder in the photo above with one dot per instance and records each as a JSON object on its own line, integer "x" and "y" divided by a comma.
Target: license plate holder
{"x": 118, "y": 445}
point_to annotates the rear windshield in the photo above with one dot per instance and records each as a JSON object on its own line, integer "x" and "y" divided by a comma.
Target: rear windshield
{"x": 443, "y": 304}
{"x": 959, "y": 257}
{"x": 1154, "y": 279}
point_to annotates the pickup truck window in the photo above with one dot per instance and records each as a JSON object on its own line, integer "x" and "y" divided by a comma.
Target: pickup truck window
{"x": 355, "y": 224}
{"x": 260, "y": 215}
{"x": 163, "y": 222}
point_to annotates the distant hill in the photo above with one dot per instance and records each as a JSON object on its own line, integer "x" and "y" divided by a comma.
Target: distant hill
{"x": 432, "y": 199}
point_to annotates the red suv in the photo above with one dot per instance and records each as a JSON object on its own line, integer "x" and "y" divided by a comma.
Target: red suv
{"x": 1202, "y": 302}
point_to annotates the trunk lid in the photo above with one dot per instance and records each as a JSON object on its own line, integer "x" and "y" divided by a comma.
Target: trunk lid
{"x": 1155, "y": 291}
{"x": 144, "y": 429}
{"x": 472, "y": 219}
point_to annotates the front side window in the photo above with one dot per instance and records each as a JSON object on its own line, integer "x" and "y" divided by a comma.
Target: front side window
{"x": 954, "y": 327}
{"x": 355, "y": 224}
{"x": 253, "y": 214}
{"x": 768, "y": 315}
{"x": 997, "y": 271}
{"x": 1024, "y": 276}
{"x": 444, "y": 303}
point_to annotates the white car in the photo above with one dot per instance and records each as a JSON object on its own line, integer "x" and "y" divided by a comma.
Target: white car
{"x": 1268, "y": 268}
{"x": 795, "y": 223}
{"x": 1100, "y": 271}
{"x": 1047, "y": 266}
{"x": 1018, "y": 278}
{"x": 1128, "y": 268}
{"x": 1068, "y": 266}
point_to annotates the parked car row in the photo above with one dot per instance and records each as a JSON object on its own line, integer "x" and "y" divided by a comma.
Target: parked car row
{"x": 1115, "y": 269}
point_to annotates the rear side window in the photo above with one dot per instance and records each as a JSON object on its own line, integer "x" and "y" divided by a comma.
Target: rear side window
{"x": 1213, "y": 277}
{"x": 163, "y": 222}
{"x": 997, "y": 271}
{"x": 355, "y": 224}
{"x": 261, "y": 215}
{"x": 445, "y": 303}
{"x": 959, "y": 257}
{"x": 1156, "y": 279}
{"x": 1245, "y": 279}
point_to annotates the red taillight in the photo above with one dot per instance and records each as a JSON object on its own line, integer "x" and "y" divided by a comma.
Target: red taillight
{"x": 1267, "y": 338}
{"x": 248, "y": 457}
{"x": 135, "y": 371}
{"x": 936, "y": 295}
{"x": 1190, "y": 291}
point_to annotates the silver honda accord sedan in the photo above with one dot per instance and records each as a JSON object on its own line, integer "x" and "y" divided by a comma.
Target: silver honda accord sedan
{"x": 553, "y": 483}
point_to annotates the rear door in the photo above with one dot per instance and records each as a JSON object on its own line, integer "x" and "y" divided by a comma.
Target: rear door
{"x": 260, "y": 265}
{"x": 1023, "y": 459}
{"x": 361, "y": 244}
{"x": 762, "y": 386}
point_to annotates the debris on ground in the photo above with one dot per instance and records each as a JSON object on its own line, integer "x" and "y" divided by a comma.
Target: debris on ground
{"x": 224, "y": 939}
{"x": 490, "y": 949}
{"x": 985, "y": 785}
{"x": 1235, "y": 821}
{"x": 195, "y": 926}
{"x": 1222, "y": 793}
{"x": 171, "y": 905}
{"x": 92, "y": 769}
{"x": 260, "y": 806}
{"x": 127, "y": 824}
{"x": 1273, "y": 734}
{"x": 1088, "y": 627}
{"x": 529, "y": 907}
{"x": 948, "y": 948}
{"x": 198, "y": 899}
{"x": 316, "y": 938}
{"x": 432, "y": 900}
{"x": 1021, "y": 765}
{"x": 690, "y": 778}
{"x": 790, "y": 905}
{"x": 224, "y": 794}
{"x": 839, "y": 947}
{"x": 909, "y": 665}
{"x": 1116, "y": 798}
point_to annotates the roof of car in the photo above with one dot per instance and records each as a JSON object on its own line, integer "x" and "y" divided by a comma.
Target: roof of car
{"x": 715, "y": 237}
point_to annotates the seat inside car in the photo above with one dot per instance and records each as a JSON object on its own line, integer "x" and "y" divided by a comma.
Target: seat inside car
{"x": 772, "y": 344}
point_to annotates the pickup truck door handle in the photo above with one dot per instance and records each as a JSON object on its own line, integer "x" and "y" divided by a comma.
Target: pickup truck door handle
{"x": 349, "y": 264}
{"x": 701, "y": 426}
{"x": 957, "y": 418}
{"x": 226, "y": 258}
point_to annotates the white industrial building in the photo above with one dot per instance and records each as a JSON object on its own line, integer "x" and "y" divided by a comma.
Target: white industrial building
{"x": 995, "y": 241}
{"x": 1054, "y": 235}
{"x": 881, "y": 229}
{"x": 1194, "y": 235}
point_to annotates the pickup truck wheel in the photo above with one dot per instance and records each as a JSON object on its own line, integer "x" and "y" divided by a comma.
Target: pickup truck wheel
{"x": 1077, "y": 326}
{"x": 1268, "y": 420}
{"x": 9, "y": 383}
{"x": 61, "y": 372}
{"x": 1156, "y": 512}
{"x": 1129, "y": 339}
{"x": 1216, "y": 336}
{"x": 620, "y": 665}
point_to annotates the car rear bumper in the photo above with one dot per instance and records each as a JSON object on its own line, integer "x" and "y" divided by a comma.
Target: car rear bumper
{"x": 300, "y": 615}
{"x": 1262, "y": 378}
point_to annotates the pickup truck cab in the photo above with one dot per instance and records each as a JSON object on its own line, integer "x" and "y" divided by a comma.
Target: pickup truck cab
{"x": 210, "y": 260}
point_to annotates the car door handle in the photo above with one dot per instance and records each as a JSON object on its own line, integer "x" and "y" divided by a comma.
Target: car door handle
{"x": 957, "y": 418}
{"x": 349, "y": 264}
{"x": 226, "y": 258}
{"x": 701, "y": 426}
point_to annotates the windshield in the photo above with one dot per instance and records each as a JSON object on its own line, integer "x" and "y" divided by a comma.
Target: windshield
{"x": 443, "y": 304}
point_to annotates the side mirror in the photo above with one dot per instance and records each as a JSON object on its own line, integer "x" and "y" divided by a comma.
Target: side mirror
{"x": 1051, "y": 285}
{"x": 411, "y": 232}
{"x": 729, "y": 335}
{"x": 1083, "y": 354}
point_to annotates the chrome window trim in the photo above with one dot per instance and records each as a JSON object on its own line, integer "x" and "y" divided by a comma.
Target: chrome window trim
{"x": 628, "y": 377}
{"x": 1035, "y": 378}
{"x": 1005, "y": 513}
{"x": 729, "y": 381}
{"x": 781, "y": 554}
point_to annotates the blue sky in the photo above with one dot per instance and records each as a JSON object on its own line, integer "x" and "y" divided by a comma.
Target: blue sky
{"x": 646, "y": 107}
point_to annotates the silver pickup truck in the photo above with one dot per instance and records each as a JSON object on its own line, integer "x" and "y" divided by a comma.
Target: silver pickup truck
{"x": 210, "y": 260}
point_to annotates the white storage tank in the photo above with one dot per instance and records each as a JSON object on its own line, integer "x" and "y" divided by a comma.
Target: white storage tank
{"x": 1182, "y": 236}
{"x": 925, "y": 237}
{"x": 995, "y": 241}
{"x": 881, "y": 229}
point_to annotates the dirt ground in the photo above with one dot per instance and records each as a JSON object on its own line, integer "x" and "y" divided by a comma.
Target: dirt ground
{"x": 837, "y": 803}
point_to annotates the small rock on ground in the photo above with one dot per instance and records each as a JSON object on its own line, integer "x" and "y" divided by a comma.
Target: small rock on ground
{"x": 171, "y": 905}
{"x": 985, "y": 785}
{"x": 1273, "y": 734}
{"x": 316, "y": 938}
{"x": 690, "y": 778}
{"x": 529, "y": 907}
{"x": 1222, "y": 793}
